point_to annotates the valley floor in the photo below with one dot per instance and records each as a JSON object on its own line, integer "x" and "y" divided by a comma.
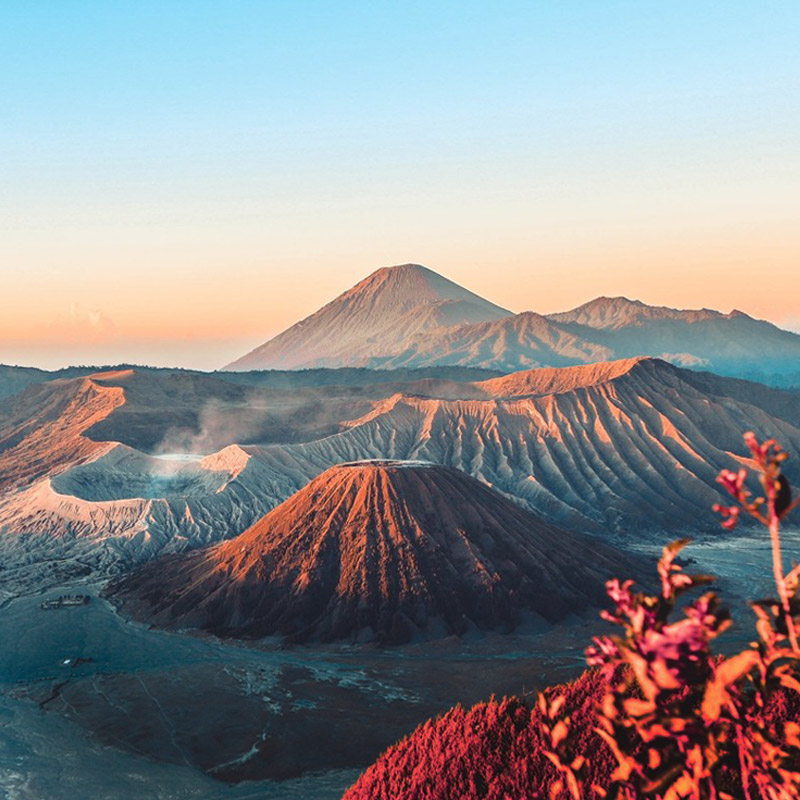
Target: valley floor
{"x": 172, "y": 712}
{"x": 154, "y": 715}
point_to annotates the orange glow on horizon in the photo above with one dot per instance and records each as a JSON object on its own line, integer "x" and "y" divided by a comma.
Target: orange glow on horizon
{"x": 202, "y": 298}
{"x": 204, "y": 324}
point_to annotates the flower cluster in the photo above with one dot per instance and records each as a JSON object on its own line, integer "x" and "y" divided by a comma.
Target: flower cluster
{"x": 681, "y": 721}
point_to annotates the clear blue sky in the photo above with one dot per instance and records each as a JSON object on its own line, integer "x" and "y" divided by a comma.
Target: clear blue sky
{"x": 199, "y": 175}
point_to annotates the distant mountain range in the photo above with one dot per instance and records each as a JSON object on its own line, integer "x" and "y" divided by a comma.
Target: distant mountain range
{"x": 409, "y": 316}
{"x": 382, "y": 551}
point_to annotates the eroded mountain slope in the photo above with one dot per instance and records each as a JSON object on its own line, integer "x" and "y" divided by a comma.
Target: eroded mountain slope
{"x": 378, "y": 550}
{"x": 637, "y": 447}
{"x": 629, "y": 447}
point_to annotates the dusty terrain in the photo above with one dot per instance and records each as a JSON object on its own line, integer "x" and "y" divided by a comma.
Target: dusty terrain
{"x": 142, "y": 703}
{"x": 236, "y": 713}
{"x": 605, "y": 449}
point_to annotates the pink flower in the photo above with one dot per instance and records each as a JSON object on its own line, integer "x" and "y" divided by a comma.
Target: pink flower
{"x": 760, "y": 451}
{"x": 620, "y": 594}
{"x": 730, "y": 515}
{"x": 603, "y": 651}
{"x": 733, "y": 481}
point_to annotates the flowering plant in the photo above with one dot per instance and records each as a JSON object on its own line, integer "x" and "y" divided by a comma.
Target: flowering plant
{"x": 681, "y": 721}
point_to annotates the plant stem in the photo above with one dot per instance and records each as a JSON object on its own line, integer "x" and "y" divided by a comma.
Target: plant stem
{"x": 777, "y": 567}
{"x": 743, "y": 766}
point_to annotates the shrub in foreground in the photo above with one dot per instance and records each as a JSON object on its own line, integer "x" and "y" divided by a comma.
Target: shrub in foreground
{"x": 494, "y": 750}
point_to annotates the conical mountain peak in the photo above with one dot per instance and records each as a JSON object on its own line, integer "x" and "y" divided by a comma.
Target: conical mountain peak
{"x": 408, "y": 286}
{"x": 373, "y": 319}
{"x": 378, "y": 550}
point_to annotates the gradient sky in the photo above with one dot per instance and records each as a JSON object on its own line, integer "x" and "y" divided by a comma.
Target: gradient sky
{"x": 182, "y": 180}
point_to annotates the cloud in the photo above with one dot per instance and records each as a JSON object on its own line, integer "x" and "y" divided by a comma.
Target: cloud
{"x": 82, "y": 326}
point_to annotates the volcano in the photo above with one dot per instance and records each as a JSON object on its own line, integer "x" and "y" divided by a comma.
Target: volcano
{"x": 371, "y": 320}
{"x": 380, "y": 551}
{"x": 410, "y": 317}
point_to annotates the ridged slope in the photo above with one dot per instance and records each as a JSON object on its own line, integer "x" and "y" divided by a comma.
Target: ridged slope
{"x": 41, "y": 429}
{"x": 619, "y": 312}
{"x": 511, "y": 343}
{"x": 734, "y": 343}
{"x": 496, "y": 751}
{"x": 383, "y": 551}
{"x": 492, "y": 751}
{"x": 631, "y": 445}
{"x": 557, "y": 381}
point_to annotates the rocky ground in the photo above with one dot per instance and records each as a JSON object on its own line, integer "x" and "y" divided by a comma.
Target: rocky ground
{"x": 142, "y": 713}
{"x": 205, "y": 712}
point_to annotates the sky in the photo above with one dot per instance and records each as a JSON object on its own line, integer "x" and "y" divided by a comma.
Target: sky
{"x": 183, "y": 180}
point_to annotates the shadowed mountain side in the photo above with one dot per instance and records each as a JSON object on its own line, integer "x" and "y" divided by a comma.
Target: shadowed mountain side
{"x": 386, "y": 551}
{"x": 202, "y": 413}
{"x": 13, "y": 380}
{"x": 354, "y": 376}
{"x": 64, "y": 421}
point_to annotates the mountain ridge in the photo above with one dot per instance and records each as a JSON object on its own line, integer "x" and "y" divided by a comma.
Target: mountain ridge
{"x": 188, "y": 460}
{"x": 410, "y": 317}
{"x": 613, "y": 312}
